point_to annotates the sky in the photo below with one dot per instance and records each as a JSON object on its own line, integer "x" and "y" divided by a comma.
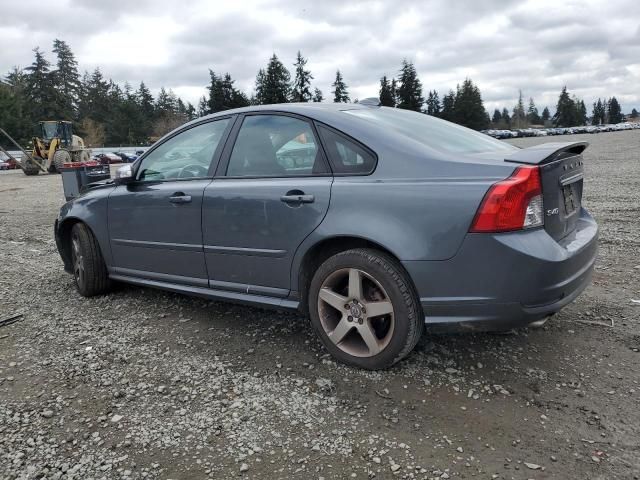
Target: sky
{"x": 537, "y": 46}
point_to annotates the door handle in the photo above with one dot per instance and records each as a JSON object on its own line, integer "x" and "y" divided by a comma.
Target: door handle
{"x": 180, "y": 197}
{"x": 297, "y": 198}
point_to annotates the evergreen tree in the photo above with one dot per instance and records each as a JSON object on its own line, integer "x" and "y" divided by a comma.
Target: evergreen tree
{"x": 394, "y": 91}
{"x": 386, "y": 95}
{"x": 66, "y": 81}
{"x": 190, "y": 111}
{"x": 144, "y": 100}
{"x": 433, "y": 104}
{"x": 301, "y": 91}
{"x": 546, "y": 115}
{"x": 39, "y": 88}
{"x": 168, "y": 115}
{"x": 14, "y": 114}
{"x": 533, "y": 117}
{"x": 340, "y": 93}
{"x": 468, "y": 106}
{"x": 203, "y": 107}
{"x": 317, "y": 95}
{"x": 581, "y": 111}
{"x": 223, "y": 95}
{"x": 410, "y": 88}
{"x": 272, "y": 84}
{"x": 519, "y": 118}
{"x": 634, "y": 113}
{"x": 496, "y": 120}
{"x": 565, "y": 110}
{"x": 506, "y": 118}
{"x": 166, "y": 103}
{"x": 598, "y": 113}
{"x": 448, "y": 106}
{"x": 94, "y": 101}
{"x": 614, "y": 111}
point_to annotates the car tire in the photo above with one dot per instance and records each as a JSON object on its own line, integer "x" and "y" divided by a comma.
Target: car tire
{"x": 373, "y": 339}
{"x": 89, "y": 270}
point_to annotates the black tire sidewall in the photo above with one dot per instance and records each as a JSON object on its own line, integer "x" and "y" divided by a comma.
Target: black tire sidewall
{"x": 77, "y": 232}
{"x": 405, "y": 312}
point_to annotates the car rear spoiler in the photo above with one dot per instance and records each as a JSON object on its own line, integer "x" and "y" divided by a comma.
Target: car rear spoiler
{"x": 546, "y": 152}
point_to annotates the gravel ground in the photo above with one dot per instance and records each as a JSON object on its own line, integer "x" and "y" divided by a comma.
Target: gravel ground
{"x": 147, "y": 384}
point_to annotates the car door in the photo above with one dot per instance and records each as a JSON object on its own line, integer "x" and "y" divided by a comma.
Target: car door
{"x": 155, "y": 221}
{"x": 271, "y": 191}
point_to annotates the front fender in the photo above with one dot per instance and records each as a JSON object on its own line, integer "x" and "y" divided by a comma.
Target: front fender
{"x": 91, "y": 209}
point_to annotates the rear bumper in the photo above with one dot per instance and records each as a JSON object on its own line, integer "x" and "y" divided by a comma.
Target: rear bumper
{"x": 502, "y": 281}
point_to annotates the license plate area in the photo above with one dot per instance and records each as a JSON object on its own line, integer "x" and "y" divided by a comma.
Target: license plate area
{"x": 570, "y": 200}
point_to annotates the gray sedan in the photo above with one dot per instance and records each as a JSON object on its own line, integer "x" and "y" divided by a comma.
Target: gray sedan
{"x": 375, "y": 222}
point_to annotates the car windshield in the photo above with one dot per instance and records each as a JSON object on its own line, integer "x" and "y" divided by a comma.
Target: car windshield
{"x": 432, "y": 132}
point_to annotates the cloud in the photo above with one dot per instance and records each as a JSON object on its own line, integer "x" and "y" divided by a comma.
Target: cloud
{"x": 537, "y": 46}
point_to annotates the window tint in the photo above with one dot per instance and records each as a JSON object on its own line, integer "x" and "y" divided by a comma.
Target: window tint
{"x": 187, "y": 155}
{"x": 275, "y": 145}
{"x": 430, "y": 131}
{"x": 347, "y": 156}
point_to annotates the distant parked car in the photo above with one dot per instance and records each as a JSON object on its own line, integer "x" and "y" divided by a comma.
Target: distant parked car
{"x": 108, "y": 158}
{"x": 126, "y": 157}
{"x": 308, "y": 208}
{"x": 8, "y": 164}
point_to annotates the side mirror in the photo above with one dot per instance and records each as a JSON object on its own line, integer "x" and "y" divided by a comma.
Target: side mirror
{"x": 124, "y": 174}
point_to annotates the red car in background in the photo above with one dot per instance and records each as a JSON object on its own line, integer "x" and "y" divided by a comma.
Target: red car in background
{"x": 8, "y": 164}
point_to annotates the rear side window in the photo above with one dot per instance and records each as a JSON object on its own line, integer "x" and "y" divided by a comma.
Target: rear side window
{"x": 346, "y": 155}
{"x": 430, "y": 131}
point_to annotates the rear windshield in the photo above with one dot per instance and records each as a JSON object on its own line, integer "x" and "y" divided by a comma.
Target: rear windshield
{"x": 432, "y": 132}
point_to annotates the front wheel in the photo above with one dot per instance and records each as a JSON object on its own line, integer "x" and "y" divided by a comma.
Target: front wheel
{"x": 364, "y": 308}
{"x": 89, "y": 269}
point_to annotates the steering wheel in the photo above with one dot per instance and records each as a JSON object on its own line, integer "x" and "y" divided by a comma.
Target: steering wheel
{"x": 193, "y": 170}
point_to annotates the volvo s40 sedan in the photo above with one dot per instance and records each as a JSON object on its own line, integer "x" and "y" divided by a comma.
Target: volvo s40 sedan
{"x": 374, "y": 221}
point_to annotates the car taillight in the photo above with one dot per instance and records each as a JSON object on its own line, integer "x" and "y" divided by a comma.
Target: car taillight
{"x": 512, "y": 204}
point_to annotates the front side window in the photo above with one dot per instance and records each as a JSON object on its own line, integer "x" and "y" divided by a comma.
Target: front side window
{"x": 275, "y": 145}
{"x": 186, "y": 155}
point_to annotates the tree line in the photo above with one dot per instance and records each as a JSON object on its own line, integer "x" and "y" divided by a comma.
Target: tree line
{"x": 107, "y": 113}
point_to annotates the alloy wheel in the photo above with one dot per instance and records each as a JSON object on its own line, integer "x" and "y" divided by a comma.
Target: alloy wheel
{"x": 78, "y": 260}
{"x": 356, "y": 312}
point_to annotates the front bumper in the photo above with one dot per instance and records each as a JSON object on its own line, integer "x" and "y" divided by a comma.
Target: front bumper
{"x": 503, "y": 281}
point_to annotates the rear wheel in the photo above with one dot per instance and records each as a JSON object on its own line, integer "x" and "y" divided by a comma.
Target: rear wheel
{"x": 364, "y": 308}
{"x": 60, "y": 157}
{"x": 89, "y": 269}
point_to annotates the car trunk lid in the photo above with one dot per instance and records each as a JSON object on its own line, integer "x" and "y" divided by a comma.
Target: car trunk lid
{"x": 561, "y": 173}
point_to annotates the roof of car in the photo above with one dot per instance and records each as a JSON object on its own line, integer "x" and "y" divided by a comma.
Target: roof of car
{"x": 311, "y": 109}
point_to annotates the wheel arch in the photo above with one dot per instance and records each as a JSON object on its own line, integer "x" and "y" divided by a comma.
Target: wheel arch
{"x": 324, "y": 248}
{"x": 64, "y": 236}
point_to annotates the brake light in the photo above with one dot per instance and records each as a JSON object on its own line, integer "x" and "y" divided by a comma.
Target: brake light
{"x": 512, "y": 204}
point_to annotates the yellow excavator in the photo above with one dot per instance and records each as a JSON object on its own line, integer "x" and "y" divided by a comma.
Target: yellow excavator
{"x": 52, "y": 148}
